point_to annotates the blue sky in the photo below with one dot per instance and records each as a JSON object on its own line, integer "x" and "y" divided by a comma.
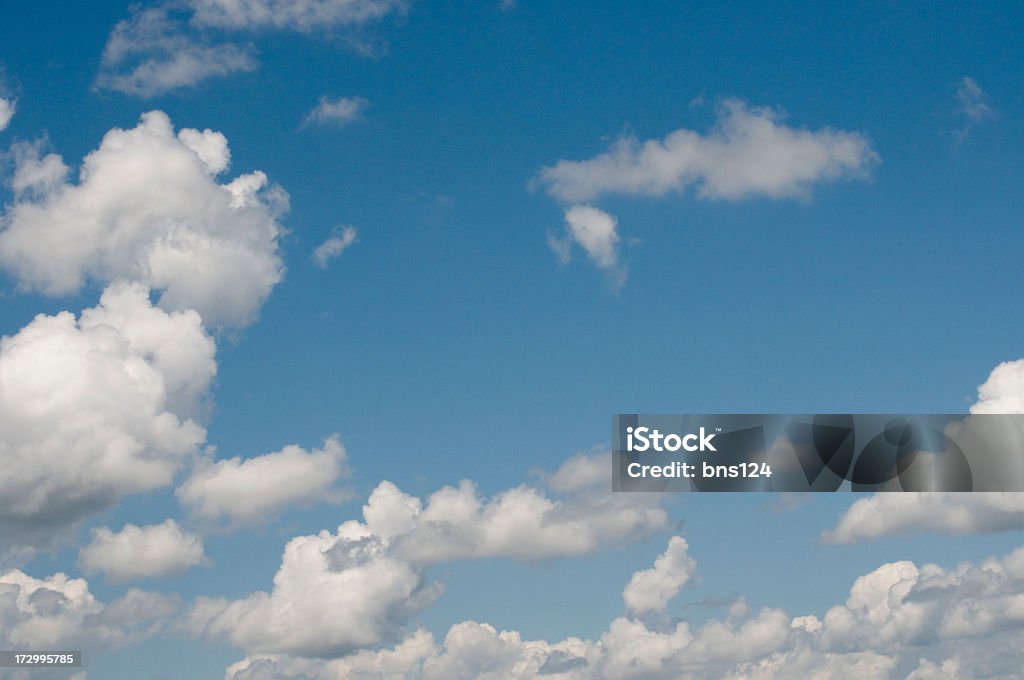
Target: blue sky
{"x": 843, "y": 235}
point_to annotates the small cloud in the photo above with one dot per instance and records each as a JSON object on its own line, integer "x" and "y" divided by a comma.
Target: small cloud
{"x": 7, "y": 107}
{"x": 596, "y": 232}
{"x": 973, "y": 100}
{"x": 338, "y": 112}
{"x": 334, "y": 246}
{"x": 972, "y": 105}
{"x": 508, "y": 5}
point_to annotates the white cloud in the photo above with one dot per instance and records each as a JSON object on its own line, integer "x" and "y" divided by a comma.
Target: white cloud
{"x": 749, "y": 152}
{"x": 1003, "y": 392}
{"x": 147, "y": 207}
{"x": 339, "y": 593}
{"x": 141, "y": 552}
{"x": 249, "y": 490}
{"x": 366, "y": 665}
{"x": 299, "y": 15}
{"x": 899, "y": 620}
{"x": 523, "y": 522}
{"x": 7, "y": 108}
{"x": 334, "y": 246}
{"x": 33, "y": 172}
{"x": 337, "y": 112}
{"x": 334, "y": 594}
{"x": 651, "y": 589}
{"x": 87, "y": 410}
{"x": 894, "y": 514}
{"x": 150, "y": 54}
{"x": 595, "y": 231}
{"x": 928, "y": 670}
{"x": 58, "y": 612}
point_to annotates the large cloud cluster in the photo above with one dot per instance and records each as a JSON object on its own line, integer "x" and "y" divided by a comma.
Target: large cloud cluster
{"x": 899, "y": 621}
{"x": 360, "y": 586}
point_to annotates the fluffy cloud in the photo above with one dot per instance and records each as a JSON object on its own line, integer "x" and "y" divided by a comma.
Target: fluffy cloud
{"x": 7, "y": 107}
{"x": 893, "y": 514}
{"x": 58, "y": 612}
{"x": 749, "y": 152}
{"x": 87, "y": 410}
{"x": 651, "y": 589}
{"x": 338, "y": 112}
{"x": 339, "y": 593}
{"x": 333, "y": 594}
{"x": 298, "y": 15}
{"x": 248, "y": 490}
{"x": 523, "y": 522}
{"x": 334, "y": 246}
{"x": 899, "y": 621}
{"x": 141, "y": 552}
{"x": 150, "y": 54}
{"x": 1003, "y": 392}
{"x": 147, "y": 207}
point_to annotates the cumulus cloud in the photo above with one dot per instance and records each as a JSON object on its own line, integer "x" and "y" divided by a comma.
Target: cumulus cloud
{"x": 246, "y": 491}
{"x": 147, "y": 207}
{"x": 58, "y": 612}
{"x": 749, "y": 152}
{"x": 7, "y": 108}
{"x": 894, "y": 514}
{"x": 141, "y": 552}
{"x": 651, "y": 589}
{"x": 899, "y": 621}
{"x": 89, "y": 410}
{"x": 334, "y": 246}
{"x": 524, "y": 522}
{"x": 1003, "y": 391}
{"x": 337, "y": 112}
{"x": 333, "y": 594}
{"x": 151, "y": 53}
{"x": 339, "y": 593}
{"x": 596, "y": 232}
{"x": 298, "y": 15}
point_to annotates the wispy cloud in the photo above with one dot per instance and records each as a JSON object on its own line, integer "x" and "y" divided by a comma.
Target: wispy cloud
{"x": 972, "y": 106}
{"x": 7, "y": 108}
{"x": 334, "y": 246}
{"x": 152, "y": 53}
{"x": 298, "y": 15}
{"x": 337, "y": 112}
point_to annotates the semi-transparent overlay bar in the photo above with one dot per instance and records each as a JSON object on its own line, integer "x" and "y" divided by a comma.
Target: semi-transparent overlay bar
{"x": 37, "y": 659}
{"x": 817, "y": 452}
